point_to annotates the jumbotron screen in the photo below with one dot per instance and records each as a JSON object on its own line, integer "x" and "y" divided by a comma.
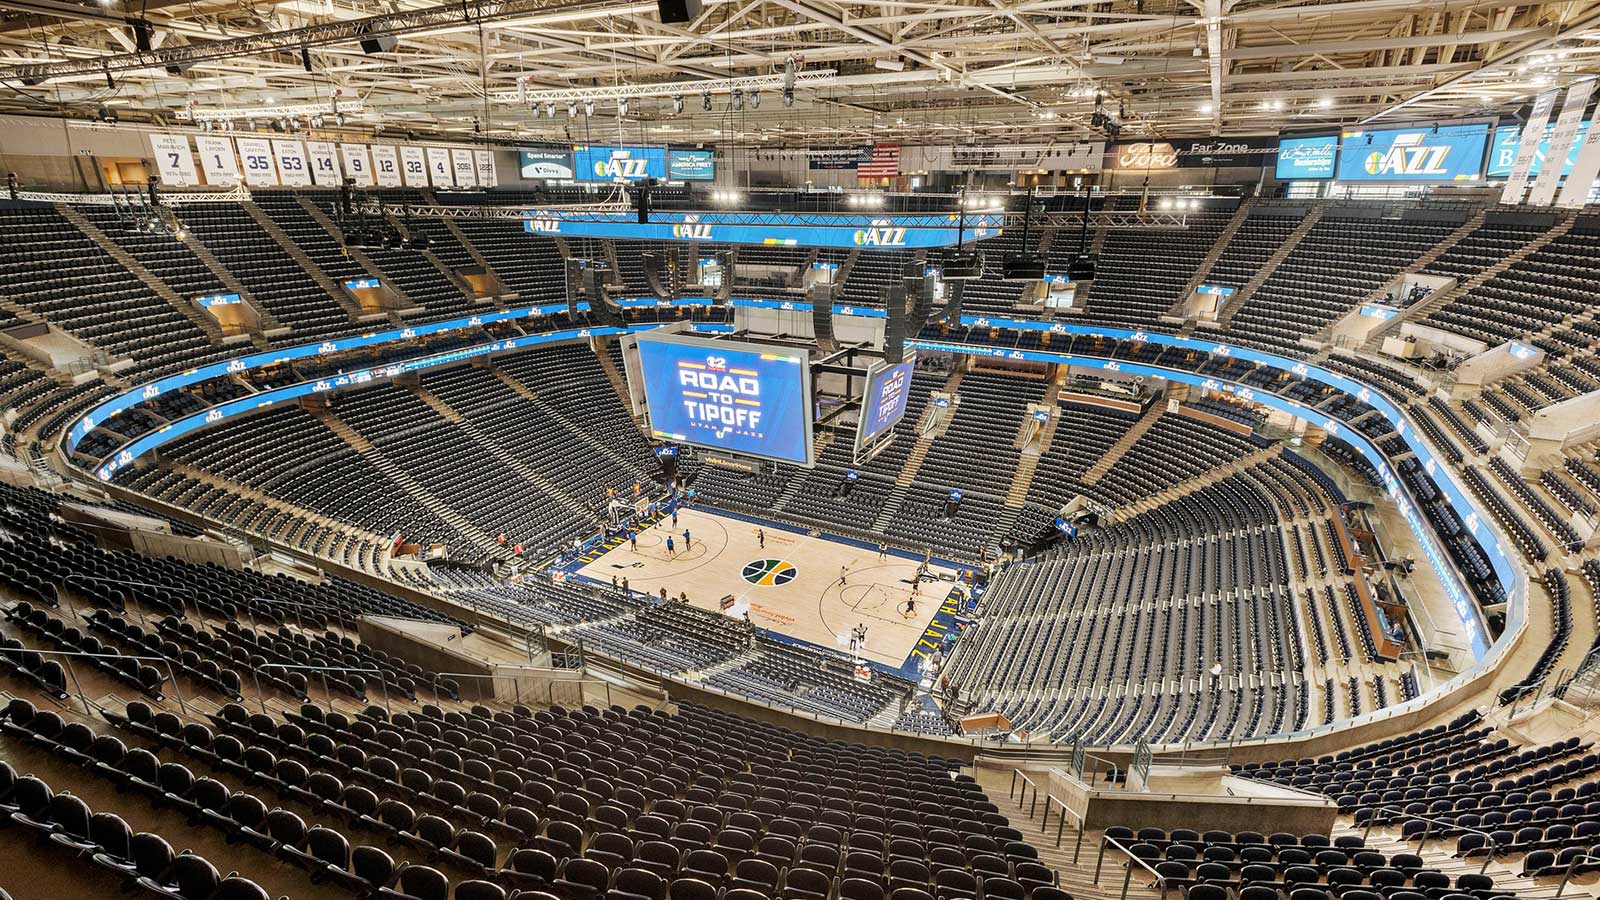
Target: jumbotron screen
{"x": 722, "y": 395}
{"x": 883, "y": 403}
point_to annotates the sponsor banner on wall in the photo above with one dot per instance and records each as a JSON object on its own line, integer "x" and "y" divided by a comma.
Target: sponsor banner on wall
{"x": 837, "y": 157}
{"x": 550, "y": 165}
{"x": 1221, "y": 152}
{"x": 293, "y": 170}
{"x": 1074, "y": 157}
{"x": 1145, "y": 156}
{"x": 691, "y": 165}
{"x": 1527, "y": 147}
{"x": 439, "y": 168}
{"x": 414, "y": 166}
{"x": 217, "y": 159}
{"x": 256, "y": 156}
{"x": 174, "y": 161}
{"x": 1306, "y": 158}
{"x": 324, "y": 163}
{"x": 386, "y": 165}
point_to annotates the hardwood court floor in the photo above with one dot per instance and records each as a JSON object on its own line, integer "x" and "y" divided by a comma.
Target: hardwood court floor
{"x": 791, "y": 586}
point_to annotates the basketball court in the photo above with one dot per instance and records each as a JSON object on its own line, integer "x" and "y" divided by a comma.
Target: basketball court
{"x": 790, "y": 583}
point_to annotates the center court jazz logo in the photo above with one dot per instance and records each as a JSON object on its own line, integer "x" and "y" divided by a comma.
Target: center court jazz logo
{"x": 768, "y": 572}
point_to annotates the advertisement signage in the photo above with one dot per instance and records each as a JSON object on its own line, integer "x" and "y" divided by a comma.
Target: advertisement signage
{"x": 604, "y": 163}
{"x": 1507, "y": 138}
{"x": 721, "y": 395}
{"x": 1423, "y": 153}
{"x": 884, "y": 401}
{"x": 800, "y": 229}
{"x": 691, "y": 165}
{"x": 1219, "y": 152}
{"x": 551, "y": 165}
{"x": 1142, "y": 155}
{"x": 837, "y": 157}
{"x": 1307, "y": 158}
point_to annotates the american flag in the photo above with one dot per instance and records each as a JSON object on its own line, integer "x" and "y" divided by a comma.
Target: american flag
{"x": 883, "y": 163}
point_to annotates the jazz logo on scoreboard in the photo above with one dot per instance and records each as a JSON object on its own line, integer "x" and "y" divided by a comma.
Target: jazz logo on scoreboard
{"x": 721, "y": 398}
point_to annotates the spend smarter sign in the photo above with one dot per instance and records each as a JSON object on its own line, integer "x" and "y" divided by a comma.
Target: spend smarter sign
{"x": 1418, "y": 154}
{"x": 596, "y": 163}
{"x": 884, "y": 401}
{"x": 740, "y": 398}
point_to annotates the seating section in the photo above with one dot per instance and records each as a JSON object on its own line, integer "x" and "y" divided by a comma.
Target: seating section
{"x": 57, "y": 273}
{"x": 1338, "y": 264}
{"x": 276, "y": 282}
{"x": 1540, "y": 290}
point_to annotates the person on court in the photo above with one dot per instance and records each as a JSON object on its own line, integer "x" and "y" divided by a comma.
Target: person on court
{"x": 761, "y": 538}
{"x": 911, "y": 606}
{"x": 686, "y": 540}
{"x": 883, "y": 551}
{"x": 669, "y": 545}
{"x": 844, "y": 571}
{"x": 674, "y": 517}
{"x": 633, "y": 541}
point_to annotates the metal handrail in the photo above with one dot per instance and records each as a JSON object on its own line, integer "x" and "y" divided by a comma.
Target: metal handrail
{"x": 89, "y": 708}
{"x": 255, "y": 673}
{"x": 1431, "y": 820}
{"x": 1571, "y": 867}
{"x": 1160, "y": 881}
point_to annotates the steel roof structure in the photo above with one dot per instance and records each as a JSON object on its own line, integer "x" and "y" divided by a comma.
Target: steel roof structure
{"x": 914, "y": 71}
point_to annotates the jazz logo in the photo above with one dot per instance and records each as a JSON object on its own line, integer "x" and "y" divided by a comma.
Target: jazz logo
{"x": 621, "y": 166}
{"x": 880, "y": 237}
{"x": 1408, "y": 155}
{"x": 692, "y": 231}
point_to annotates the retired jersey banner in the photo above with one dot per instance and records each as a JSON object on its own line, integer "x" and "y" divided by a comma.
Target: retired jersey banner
{"x": 386, "y": 165}
{"x": 414, "y": 165}
{"x": 357, "y": 164}
{"x": 292, "y": 168}
{"x": 1528, "y": 147}
{"x": 439, "y": 168}
{"x": 256, "y": 155}
{"x": 217, "y": 159}
{"x": 1543, "y": 192}
{"x": 324, "y": 163}
{"x": 465, "y": 166}
{"x": 174, "y": 161}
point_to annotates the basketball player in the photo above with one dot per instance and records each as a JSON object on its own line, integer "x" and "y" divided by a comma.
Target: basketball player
{"x": 883, "y": 551}
{"x": 669, "y": 545}
{"x": 844, "y": 572}
{"x": 761, "y": 538}
{"x": 911, "y": 605}
{"x": 686, "y": 540}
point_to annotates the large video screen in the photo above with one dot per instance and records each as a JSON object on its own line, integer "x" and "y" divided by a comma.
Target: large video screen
{"x": 1508, "y": 139}
{"x": 884, "y": 401}
{"x": 722, "y": 395}
{"x": 600, "y": 163}
{"x": 1307, "y": 158}
{"x": 1423, "y": 153}
{"x": 691, "y": 165}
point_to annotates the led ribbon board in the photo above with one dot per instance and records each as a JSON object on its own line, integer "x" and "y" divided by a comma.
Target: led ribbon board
{"x": 1467, "y": 510}
{"x": 749, "y": 399}
{"x": 849, "y": 232}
